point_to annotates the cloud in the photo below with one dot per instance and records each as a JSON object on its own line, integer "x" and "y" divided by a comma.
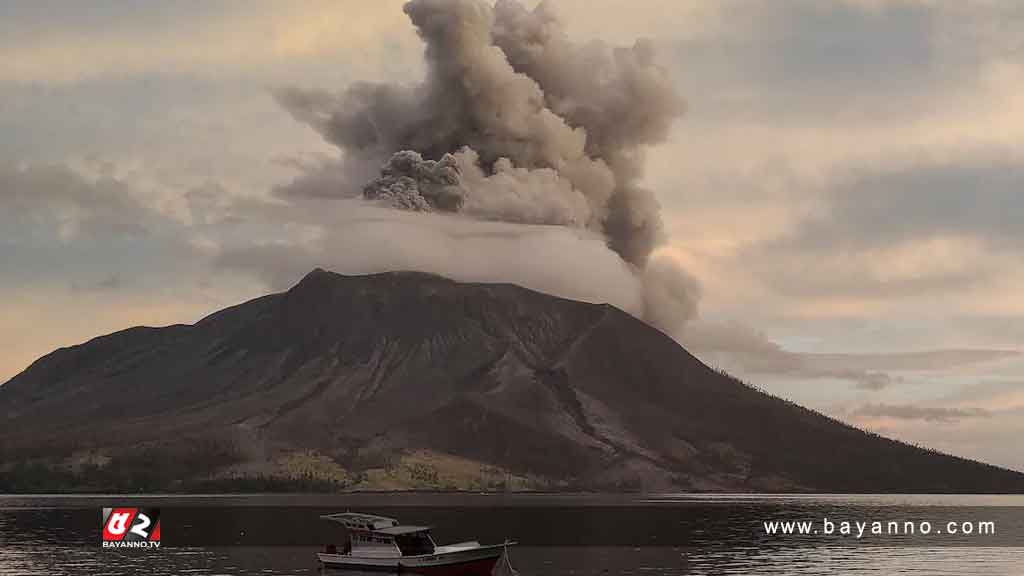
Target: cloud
{"x": 87, "y": 232}
{"x": 970, "y": 198}
{"x": 98, "y": 233}
{"x": 91, "y": 253}
{"x": 738, "y": 348}
{"x": 926, "y": 413}
{"x": 355, "y": 237}
{"x": 926, "y": 361}
{"x": 809, "y": 48}
{"x": 760, "y": 61}
{"x": 795, "y": 126}
{"x": 993, "y": 394}
{"x": 993, "y": 438}
{"x": 57, "y": 199}
{"x": 110, "y": 282}
{"x": 207, "y": 39}
{"x": 901, "y": 240}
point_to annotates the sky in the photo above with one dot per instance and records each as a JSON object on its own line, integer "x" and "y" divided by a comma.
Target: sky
{"x": 846, "y": 185}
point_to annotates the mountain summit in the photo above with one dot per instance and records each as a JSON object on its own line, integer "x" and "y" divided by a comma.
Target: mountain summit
{"x": 409, "y": 380}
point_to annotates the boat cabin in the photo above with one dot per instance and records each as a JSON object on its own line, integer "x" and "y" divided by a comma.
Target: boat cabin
{"x": 381, "y": 537}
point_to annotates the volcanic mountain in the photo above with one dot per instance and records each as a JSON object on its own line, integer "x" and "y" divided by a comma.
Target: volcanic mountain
{"x": 408, "y": 380}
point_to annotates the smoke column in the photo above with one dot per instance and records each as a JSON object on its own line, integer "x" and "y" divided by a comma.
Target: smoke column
{"x": 516, "y": 123}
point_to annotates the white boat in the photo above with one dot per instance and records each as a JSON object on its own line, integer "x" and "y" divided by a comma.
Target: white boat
{"x": 382, "y": 544}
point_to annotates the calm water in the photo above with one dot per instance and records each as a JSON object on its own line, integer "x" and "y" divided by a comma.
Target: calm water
{"x": 558, "y": 534}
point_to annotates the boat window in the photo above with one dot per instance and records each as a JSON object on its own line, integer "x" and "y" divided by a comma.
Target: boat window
{"x": 414, "y": 544}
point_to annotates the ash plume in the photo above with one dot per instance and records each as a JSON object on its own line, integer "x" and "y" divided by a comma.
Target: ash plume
{"x": 408, "y": 181}
{"x": 516, "y": 123}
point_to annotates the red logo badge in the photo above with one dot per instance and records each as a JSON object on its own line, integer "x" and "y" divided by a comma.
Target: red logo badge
{"x": 131, "y": 528}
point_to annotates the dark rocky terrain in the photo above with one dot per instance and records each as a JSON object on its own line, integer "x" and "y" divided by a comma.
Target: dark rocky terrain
{"x": 407, "y": 380}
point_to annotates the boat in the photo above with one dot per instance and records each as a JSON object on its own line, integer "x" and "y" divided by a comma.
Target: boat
{"x": 377, "y": 543}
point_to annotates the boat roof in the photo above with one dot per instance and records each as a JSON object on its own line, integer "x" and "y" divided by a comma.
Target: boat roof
{"x": 362, "y": 521}
{"x": 403, "y": 529}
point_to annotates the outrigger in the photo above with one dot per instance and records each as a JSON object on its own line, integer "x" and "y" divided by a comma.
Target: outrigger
{"x": 382, "y": 544}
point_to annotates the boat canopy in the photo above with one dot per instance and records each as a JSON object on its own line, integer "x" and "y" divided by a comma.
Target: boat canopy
{"x": 356, "y": 521}
{"x": 403, "y": 529}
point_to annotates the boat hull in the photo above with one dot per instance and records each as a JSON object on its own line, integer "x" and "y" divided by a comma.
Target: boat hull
{"x": 470, "y": 562}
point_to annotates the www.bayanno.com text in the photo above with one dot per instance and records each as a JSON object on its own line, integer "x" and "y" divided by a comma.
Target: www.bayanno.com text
{"x": 865, "y": 528}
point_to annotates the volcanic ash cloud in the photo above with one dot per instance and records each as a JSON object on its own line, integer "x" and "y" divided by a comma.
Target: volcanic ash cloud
{"x": 516, "y": 123}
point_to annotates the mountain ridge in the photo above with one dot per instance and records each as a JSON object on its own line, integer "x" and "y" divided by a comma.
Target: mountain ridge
{"x": 400, "y": 378}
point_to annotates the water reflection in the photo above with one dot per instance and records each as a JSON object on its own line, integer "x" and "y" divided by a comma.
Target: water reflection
{"x": 27, "y": 560}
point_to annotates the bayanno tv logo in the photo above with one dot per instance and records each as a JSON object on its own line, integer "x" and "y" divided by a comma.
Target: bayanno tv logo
{"x": 131, "y": 528}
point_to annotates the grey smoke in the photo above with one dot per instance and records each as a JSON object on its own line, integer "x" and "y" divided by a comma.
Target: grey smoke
{"x": 669, "y": 294}
{"x": 409, "y": 182}
{"x": 457, "y": 183}
{"x": 514, "y": 122}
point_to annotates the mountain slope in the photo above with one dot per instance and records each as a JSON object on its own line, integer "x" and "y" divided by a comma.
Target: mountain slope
{"x": 367, "y": 380}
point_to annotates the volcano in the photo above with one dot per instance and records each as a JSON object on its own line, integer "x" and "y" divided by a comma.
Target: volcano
{"x": 407, "y": 380}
